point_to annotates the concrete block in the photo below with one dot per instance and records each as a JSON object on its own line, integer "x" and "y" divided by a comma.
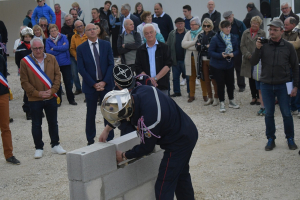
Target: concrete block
{"x": 90, "y": 162}
{"x": 157, "y": 149}
{"x": 120, "y": 181}
{"x": 126, "y": 142}
{"x": 145, "y": 192}
{"x": 148, "y": 167}
{"x": 87, "y": 191}
{"x": 119, "y": 198}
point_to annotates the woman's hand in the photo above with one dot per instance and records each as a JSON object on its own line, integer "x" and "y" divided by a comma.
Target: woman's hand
{"x": 64, "y": 43}
{"x": 231, "y": 55}
{"x": 224, "y": 54}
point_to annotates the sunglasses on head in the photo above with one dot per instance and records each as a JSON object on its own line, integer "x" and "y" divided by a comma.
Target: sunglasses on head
{"x": 206, "y": 26}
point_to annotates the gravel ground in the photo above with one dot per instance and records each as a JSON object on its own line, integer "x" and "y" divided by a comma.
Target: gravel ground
{"x": 229, "y": 161}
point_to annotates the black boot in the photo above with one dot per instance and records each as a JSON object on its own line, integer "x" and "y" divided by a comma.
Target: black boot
{"x": 28, "y": 116}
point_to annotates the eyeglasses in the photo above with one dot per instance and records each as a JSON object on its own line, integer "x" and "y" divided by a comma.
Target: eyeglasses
{"x": 79, "y": 26}
{"x": 275, "y": 30}
{"x": 194, "y": 24}
{"x": 68, "y": 20}
{"x": 43, "y": 25}
{"x": 52, "y": 31}
{"x": 91, "y": 29}
{"x": 38, "y": 48}
{"x": 206, "y": 26}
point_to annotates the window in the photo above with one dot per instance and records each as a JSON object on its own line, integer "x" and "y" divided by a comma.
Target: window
{"x": 296, "y": 6}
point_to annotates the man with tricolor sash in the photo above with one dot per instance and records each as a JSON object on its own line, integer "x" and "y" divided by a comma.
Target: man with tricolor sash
{"x": 40, "y": 78}
{"x": 4, "y": 115}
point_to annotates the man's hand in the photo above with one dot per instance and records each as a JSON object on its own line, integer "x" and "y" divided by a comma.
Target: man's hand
{"x": 258, "y": 43}
{"x": 45, "y": 94}
{"x": 51, "y": 49}
{"x": 103, "y": 136}
{"x": 224, "y": 54}
{"x": 97, "y": 87}
{"x": 123, "y": 45}
{"x": 64, "y": 43}
{"x": 153, "y": 81}
{"x": 102, "y": 85}
{"x": 119, "y": 156}
{"x": 294, "y": 92}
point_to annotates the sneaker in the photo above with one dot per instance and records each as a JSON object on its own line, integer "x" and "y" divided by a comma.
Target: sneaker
{"x": 208, "y": 102}
{"x": 291, "y": 144}
{"x": 232, "y": 104}
{"x": 270, "y": 145}
{"x": 38, "y": 153}
{"x": 118, "y": 60}
{"x": 216, "y": 102}
{"x": 197, "y": 82}
{"x": 261, "y": 111}
{"x": 58, "y": 149}
{"x": 183, "y": 82}
{"x": 222, "y": 107}
{"x": 13, "y": 160}
{"x": 295, "y": 112}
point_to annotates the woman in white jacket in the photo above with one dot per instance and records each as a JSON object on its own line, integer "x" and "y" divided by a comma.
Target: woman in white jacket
{"x": 146, "y": 18}
{"x": 191, "y": 57}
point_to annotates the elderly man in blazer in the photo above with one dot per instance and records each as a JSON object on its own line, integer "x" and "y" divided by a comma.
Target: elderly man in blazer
{"x": 125, "y": 10}
{"x": 95, "y": 63}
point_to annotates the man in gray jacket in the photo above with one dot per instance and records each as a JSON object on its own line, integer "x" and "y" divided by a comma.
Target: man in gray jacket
{"x": 278, "y": 58}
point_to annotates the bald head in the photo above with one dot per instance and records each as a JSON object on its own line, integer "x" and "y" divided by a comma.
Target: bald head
{"x": 129, "y": 25}
{"x": 289, "y": 24}
{"x": 91, "y": 32}
{"x": 211, "y": 5}
{"x": 78, "y": 23}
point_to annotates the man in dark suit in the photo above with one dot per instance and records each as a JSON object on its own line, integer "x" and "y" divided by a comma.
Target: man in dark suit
{"x": 252, "y": 11}
{"x": 125, "y": 10}
{"x": 96, "y": 74}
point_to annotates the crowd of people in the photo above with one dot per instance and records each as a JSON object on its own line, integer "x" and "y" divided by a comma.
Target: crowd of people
{"x": 54, "y": 43}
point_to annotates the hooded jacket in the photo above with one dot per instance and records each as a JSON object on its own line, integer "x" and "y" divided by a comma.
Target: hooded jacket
{"x": 43, "y": 11}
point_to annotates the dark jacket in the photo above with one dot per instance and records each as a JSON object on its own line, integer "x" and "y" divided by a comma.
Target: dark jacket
{"x": 68, "y": 31}
{"x": 138, "y": 15}
{"x": 27, "y": 21}
{"x": 104, "y": 24}
{"x": 215, "y": 18}
{"x": 282, "y": 18}
{"x": 3, "y": 32}
{"x": 277, "y": 62}
{"x": 165, "y": 24}
{"x": 105, "y": 16}
{"x": 60, "y": 50}
{"x": 250, "y": 14}
{"x": 128, "y": 47}
{"x": 162, "y": 59}
{"x": 241, "y": 28}
{"x": 21, "y": 52}
{"x": 136, "y": 22}
{"x": 216, "y": 47}
{"x": 293, "y": 38}
{"x": 3, "y": 70}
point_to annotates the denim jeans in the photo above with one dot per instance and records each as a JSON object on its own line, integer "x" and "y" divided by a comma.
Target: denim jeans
{"x": 177, "y": 70}
{"x": 67, "y": 77}
{"x": 50, "y": 107}
{"x": 75, "y": 76}
{"x": 269, "y": 92}
{"x": 295, "y": 102}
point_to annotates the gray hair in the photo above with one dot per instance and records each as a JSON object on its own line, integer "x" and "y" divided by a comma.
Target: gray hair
{"x": 196, "y": 20}
{"x": 288, "y": 3}
{"x": 148, "y": 25}
{"x": 29, "y": 11}
{"x": 43, "y": 19}
{"x": 78, "y": 21}
{"x": 126, "y": 22}
{"x": 69, "y": 15}
{"x": 126, "y": 6}
{"x": 36, "y": 39}
{"x": 57, "y": 4}
{"x": 292, "y": 20}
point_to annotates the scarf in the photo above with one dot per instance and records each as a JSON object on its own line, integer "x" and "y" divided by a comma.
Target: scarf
{"x": 253, "y": 33}
{"x": 27, "y": 44}
{"x": 195, "y": 32}
{"x": 54, "y": 40}
{"x": 227, "y": 40}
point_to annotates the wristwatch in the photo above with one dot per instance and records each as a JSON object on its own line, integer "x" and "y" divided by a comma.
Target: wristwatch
{"x": 155, "y": 79}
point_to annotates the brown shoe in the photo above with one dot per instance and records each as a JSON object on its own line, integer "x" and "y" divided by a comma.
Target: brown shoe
{"x": 191, "y": 99}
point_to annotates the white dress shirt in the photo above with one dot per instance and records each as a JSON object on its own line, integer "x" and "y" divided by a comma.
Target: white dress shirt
{"x": 41, "y": 64}
{"x": 92, "y": 50}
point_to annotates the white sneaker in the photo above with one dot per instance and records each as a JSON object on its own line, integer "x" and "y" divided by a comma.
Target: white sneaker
{"x": 222, "y": 107}
{"x": 118, "y": 60}
{"x": 197, "y": 82}
{"x": 38, "y": 153}
{"x": 208, "y": 102}
{"x": 232, "y": 104}
{"x": 216, "y": 102}
{"x": 58, "y": 149}
{"x": 183, "y": 82}
{"x": 295, "y": 112}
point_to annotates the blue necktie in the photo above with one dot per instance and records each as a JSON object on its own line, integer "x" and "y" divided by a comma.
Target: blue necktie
{"x": 97, "y": 58}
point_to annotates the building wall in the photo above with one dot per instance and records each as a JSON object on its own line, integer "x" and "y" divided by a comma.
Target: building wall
{"x": 12, "y": 12}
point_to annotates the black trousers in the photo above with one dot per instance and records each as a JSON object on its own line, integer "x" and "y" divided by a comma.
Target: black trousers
{"x": 224, "y": 77}
{"x": 26, "y": 106}
{"x": 237, "y": 66}
{"x": 254, "y": 91}
{"x": 68, "y": 80}
{"x": 114, "y": 38}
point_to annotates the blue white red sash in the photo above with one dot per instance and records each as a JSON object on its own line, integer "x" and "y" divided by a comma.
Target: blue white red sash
{"x": 3, "y": 80}
{"x": 38, "y": 72}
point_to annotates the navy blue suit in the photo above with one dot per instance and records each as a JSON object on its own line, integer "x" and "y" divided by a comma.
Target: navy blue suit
{"x": 135, "y": 19}
{"x": 87, "y": 69}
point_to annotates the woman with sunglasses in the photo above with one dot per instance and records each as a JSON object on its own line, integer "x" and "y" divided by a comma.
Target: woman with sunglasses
{"x": 222, "y": 49}
{"x": 202, "y": 45}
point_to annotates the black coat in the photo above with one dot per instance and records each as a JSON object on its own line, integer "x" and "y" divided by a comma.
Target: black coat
{"x": 282, "y": 18}
{"x": 162, "y": 59}
{"x": 3, "y": 70}
{"x": 3, "y": 32}
{"x": 68, "y": 31}
{"x": 21, "y": 52}
{"x": 215, "y": 18}
{"x": 105, "y": 16}
{"x": 250, "y": 14}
